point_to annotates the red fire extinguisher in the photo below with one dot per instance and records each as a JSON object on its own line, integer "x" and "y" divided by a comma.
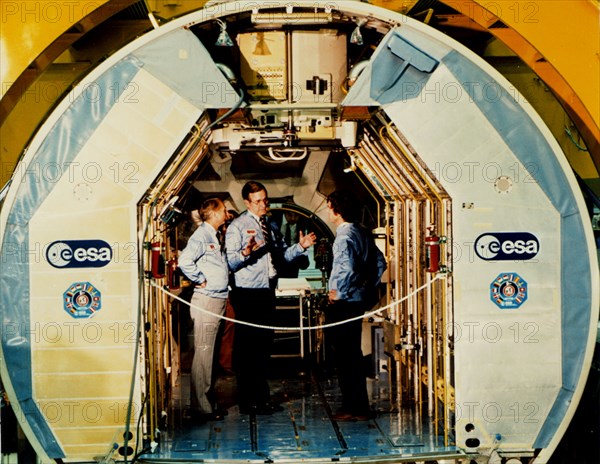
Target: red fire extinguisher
{"x": 173, "y": 274}
{"x": 432, "y": 251}
{"x": 158, "y": 260}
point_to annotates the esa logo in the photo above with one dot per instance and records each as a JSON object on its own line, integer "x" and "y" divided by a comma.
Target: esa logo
{"x": 503, "y": 246}
{"x": 78, "y": 253}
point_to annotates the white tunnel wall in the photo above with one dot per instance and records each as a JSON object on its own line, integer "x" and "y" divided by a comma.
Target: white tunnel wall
{"x": 508, "y": 361}
{"x": 506, "y": 175}
{"x": 128, "y": 147}
{"x": 70, "y": 368}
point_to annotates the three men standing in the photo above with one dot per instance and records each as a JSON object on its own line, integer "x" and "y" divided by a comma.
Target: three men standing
{"x": 254, "y": 251}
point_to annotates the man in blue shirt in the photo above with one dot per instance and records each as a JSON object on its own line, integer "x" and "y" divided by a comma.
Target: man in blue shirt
{"x": 254, "y": 250}
{"x": 356, "y": 271}
{"x": 204, "y": 263}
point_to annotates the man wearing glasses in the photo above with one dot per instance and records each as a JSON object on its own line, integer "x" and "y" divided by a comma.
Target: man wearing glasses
{"x": 254, "y": 249}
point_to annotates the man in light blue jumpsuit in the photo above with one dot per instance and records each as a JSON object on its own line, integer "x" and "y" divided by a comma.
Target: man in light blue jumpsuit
{"x": 203, "y": 262}
{"x": 254, "y": 250}
{"x": 356, "y": 271}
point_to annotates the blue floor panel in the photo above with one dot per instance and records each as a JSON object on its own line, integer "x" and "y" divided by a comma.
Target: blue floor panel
{"x": 303, "y": 432}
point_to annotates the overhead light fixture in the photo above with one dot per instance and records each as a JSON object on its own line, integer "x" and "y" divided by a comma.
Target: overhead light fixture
{"x": 356, "y": 37}
{"x": 223, "y": 40}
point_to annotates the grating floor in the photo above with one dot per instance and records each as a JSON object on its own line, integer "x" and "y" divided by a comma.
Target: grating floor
{"x": 303, "y": 432}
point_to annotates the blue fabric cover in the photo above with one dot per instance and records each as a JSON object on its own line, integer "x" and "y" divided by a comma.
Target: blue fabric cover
{"x": 60, "y": 147}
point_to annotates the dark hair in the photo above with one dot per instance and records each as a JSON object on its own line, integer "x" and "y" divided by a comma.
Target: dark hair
{"x": 252, "y": 187}
{"x": 344, "y": 203}
{"x": 208, "y": 206}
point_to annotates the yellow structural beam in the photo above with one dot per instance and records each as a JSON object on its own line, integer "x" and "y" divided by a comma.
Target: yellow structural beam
{"x": 33, "y": 35}
{"x": 29, "y": 27}
{"x": 559, "y": 40}
{"x": 565, "y": 33}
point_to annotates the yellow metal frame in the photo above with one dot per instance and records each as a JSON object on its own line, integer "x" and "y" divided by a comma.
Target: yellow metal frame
{"x": 34, "y": 34}
{"x": 559, "y": 41}
{"x": 414, "y": 199}
{"x": 160, "y": 353}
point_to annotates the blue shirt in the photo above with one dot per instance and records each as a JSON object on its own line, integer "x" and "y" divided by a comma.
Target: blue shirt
{"x": 202, "y": 260}
{"x": 255, "y": 270}
{"x": 350, "y": 269}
